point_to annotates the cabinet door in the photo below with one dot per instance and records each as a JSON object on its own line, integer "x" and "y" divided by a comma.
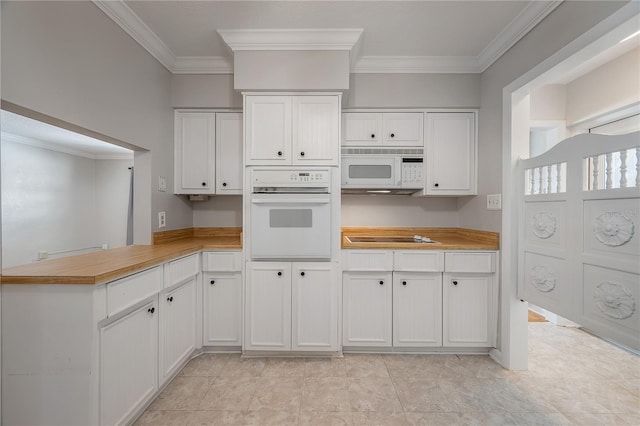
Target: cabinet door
{"x": 367, "y": 308}
{"x": 467, "y": 309}
{"x": 403, "y": 129}
{"x": 177, "y": 327}
{"x": 222, "y": 309}
{"x": 194, "y": 153}
{"x": 314, "y": 306}
{"x": 267, "y": 126}
{"x": 361, "y": 129}
{"x": 229, "y": 153}
{"x": 451, "y": 153}
{"x": 268, "y": 306}
{"x": 316, "y": 123}
{"x": 417, "y": 309}
{"x": 128, "y": 364}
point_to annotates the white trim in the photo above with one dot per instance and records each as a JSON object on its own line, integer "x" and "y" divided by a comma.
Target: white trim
{"x": 292, "y": 39}
{"x": 416, "y": 65}
{"x": 10, "y": 137}
{"x": 138, "y": 30}
{"x": 203, "y": 65}
{"x": 607, "y": 117}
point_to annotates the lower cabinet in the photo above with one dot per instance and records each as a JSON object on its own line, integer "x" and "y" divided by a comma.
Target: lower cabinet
{"x": 128, "y": 363}
{"x": 222, "y": 308}
{"x": 291, "y": 306}
{"x": 367, "y": 308}
{"x": 178, "y": 309}
{"x": 417, "y": 309}
{"x": 467, "y": 309}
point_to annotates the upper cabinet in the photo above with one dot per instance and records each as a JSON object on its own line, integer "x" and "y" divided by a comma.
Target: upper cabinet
{"x": 194, "y": 153}
{"x": 450, "y": 153}
{"x": 286, "y": 130}
{"x": 208, "y": 152}
{"x": 382, "y": 129}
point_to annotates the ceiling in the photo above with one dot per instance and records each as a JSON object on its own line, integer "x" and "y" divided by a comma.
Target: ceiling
{"x": 398, "y": 36}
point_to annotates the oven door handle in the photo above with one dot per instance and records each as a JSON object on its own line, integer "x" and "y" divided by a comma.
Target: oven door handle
{"x": 291, "y": 201}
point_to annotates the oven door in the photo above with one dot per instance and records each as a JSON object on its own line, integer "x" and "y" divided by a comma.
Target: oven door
{"x": 290, "y": 226}
{"x": 371, "y": 172}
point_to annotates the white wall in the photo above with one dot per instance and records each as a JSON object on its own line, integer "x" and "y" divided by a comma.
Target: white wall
{"x": 219, "y": 211}
{"x": 70, "y": 61}
{"x": 53, "y": 202}
{"x": 548, "y": 102}
{"x": 398, "y": 210}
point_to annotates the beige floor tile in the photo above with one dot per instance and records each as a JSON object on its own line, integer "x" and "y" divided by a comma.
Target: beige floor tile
{"x": 243, "y": 367}
{"x": 277, "y": 393}
{"x": 325, "y": 367}
{"x": 428, "y": 395}
{"x": 482, "y": 367}
{"x": 365, "y": 366}
{"x": 283, "y": 367}
{"x": 370, "y": 418}
{"x": 320, "y": 418}
{"x": 183, "y": 393}
{"x": 426, "y": 366}
{"x": 373, "y": 394}
{"x": 596, "y": 419}
{"x": 448, "y": 419}
{"x": 229, "y": 394}
{"x": 205, "y": 365}
{"x": 326, "y": 394}
{"x": 243, "y": 418}
{"x": 163, "y": 418}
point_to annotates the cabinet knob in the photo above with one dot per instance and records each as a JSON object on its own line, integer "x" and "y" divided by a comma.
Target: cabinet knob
{"x": 302, "y": 274}
{"x": 302, "y": 154}
{"x": 279, "y": 273}
{"x": 212, "y": 282}
{"x": 151, "y": 310}
{"x": 279, "y": 153}
{"x": 454, "y": 282}
{"x": 381, "y": 282}
{"x": 170, "y": 299}
{"x": 436, "y": 185}
{"x": 204, "y": 183}
{"x": 224, "y": 183}
{"x": 393, "y": 135}
{"x": 373, "y": 135}
{"x": 404, "y": 283}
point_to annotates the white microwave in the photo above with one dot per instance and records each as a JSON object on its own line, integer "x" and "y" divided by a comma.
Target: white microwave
{"x": 382, "y": 172}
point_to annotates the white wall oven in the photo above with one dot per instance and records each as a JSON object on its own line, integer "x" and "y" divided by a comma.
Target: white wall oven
{"x": 290, "y": 214}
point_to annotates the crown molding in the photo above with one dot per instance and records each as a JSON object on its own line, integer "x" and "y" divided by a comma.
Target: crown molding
{"x": 122, "y": 15}
{"x": 10, "y": 137}
{"x": 527, "y": 19}
{"x": 203, "y": 65}
{"x": 416, "y": 65}
{"x": 292, "y": 39}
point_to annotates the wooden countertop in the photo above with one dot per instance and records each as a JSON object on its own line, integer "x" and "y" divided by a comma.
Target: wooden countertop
{"x": 448, "y": 238}
{"x": 107, "y": 265}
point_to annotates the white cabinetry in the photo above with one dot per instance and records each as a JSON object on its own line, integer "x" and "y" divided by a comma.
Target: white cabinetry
{"x": 367, "y": 309}
{"x": 417, "y": 309}
{"x": 291, "y": 306}
{"x": 228, "y": 153}
{"x": 382, "y": 129}
{"x": 286, "y": 130}
{"x": 128, "y": 363}
{"x": 222, "y": 281}
{"x": 469, "y": 299}
{"x": 194, "y": 146}
{"x": 450, "y": 151}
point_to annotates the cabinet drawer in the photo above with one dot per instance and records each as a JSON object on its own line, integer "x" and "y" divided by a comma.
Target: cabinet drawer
{"x": 418, "y": 261}
{"x": 127, "y": 291}
{"x": 367, "y": 260}
{"x": 182, "y": 269}
{"x": 222, "y": 261}
{"x": 470, "y": 262}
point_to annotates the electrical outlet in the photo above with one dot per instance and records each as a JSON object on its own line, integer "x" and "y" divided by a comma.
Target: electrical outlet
{"x": 162, "y": 219}
{"x": 494, "y": 202}
{"x": 162, "y": 184}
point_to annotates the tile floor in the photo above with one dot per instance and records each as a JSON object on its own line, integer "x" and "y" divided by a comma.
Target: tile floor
{"x": 573, "y": 378}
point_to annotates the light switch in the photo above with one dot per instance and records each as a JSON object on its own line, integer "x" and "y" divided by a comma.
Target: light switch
{"x": 162, "y": 219}
{"x": 162, "y": 183}
{"x": 494, "y": 202}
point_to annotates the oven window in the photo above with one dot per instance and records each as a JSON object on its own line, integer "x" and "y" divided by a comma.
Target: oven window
{"x": 370, "y": 171}
{"x": 290, "y": 218}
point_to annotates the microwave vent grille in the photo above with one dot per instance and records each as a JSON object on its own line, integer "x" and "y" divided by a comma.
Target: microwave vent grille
{"x": 383, "y": 151}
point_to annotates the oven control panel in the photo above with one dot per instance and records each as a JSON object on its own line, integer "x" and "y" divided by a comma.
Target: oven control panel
{"x": 291, "y": 177}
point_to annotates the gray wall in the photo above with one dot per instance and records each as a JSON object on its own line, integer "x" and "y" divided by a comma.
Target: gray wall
{"x": 68, "y": 60}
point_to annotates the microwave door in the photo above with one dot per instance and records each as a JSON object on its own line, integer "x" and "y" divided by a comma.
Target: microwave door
{"x": 371, "y": 172}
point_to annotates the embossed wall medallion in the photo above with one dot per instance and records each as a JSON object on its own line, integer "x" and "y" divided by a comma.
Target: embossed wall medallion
{"x": 614, "y": 300}
{"x": 613, "y": 229}
{"x": 544, "y": 224}
{"x": 543, "y": 279}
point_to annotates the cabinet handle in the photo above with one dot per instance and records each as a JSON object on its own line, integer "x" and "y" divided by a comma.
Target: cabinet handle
{"x": 204, "y": 183}
{"x": 213, "y": 282}
{"x": 302, "y": 274}
{"x": 373, "y": 135}
{"x": 404, "y": 283}
{"x": 302, "y": 154}
{"x": 170, "y": 299}
{"x": 279, "y": 273}
{"x": 381, "y": 282}
{"x": 393, "y": 135}
{"x": 151, "y": 310}
{"x": 224, "y": 183}
{"x": 454, "y": 282}
{"x": 279, "y": 153}
{"x": 436, "y": 185}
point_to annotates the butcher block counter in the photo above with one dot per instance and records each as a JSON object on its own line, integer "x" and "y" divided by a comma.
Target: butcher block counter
{"x": 442, "y": 238}
{"x": 107, "y": 265}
